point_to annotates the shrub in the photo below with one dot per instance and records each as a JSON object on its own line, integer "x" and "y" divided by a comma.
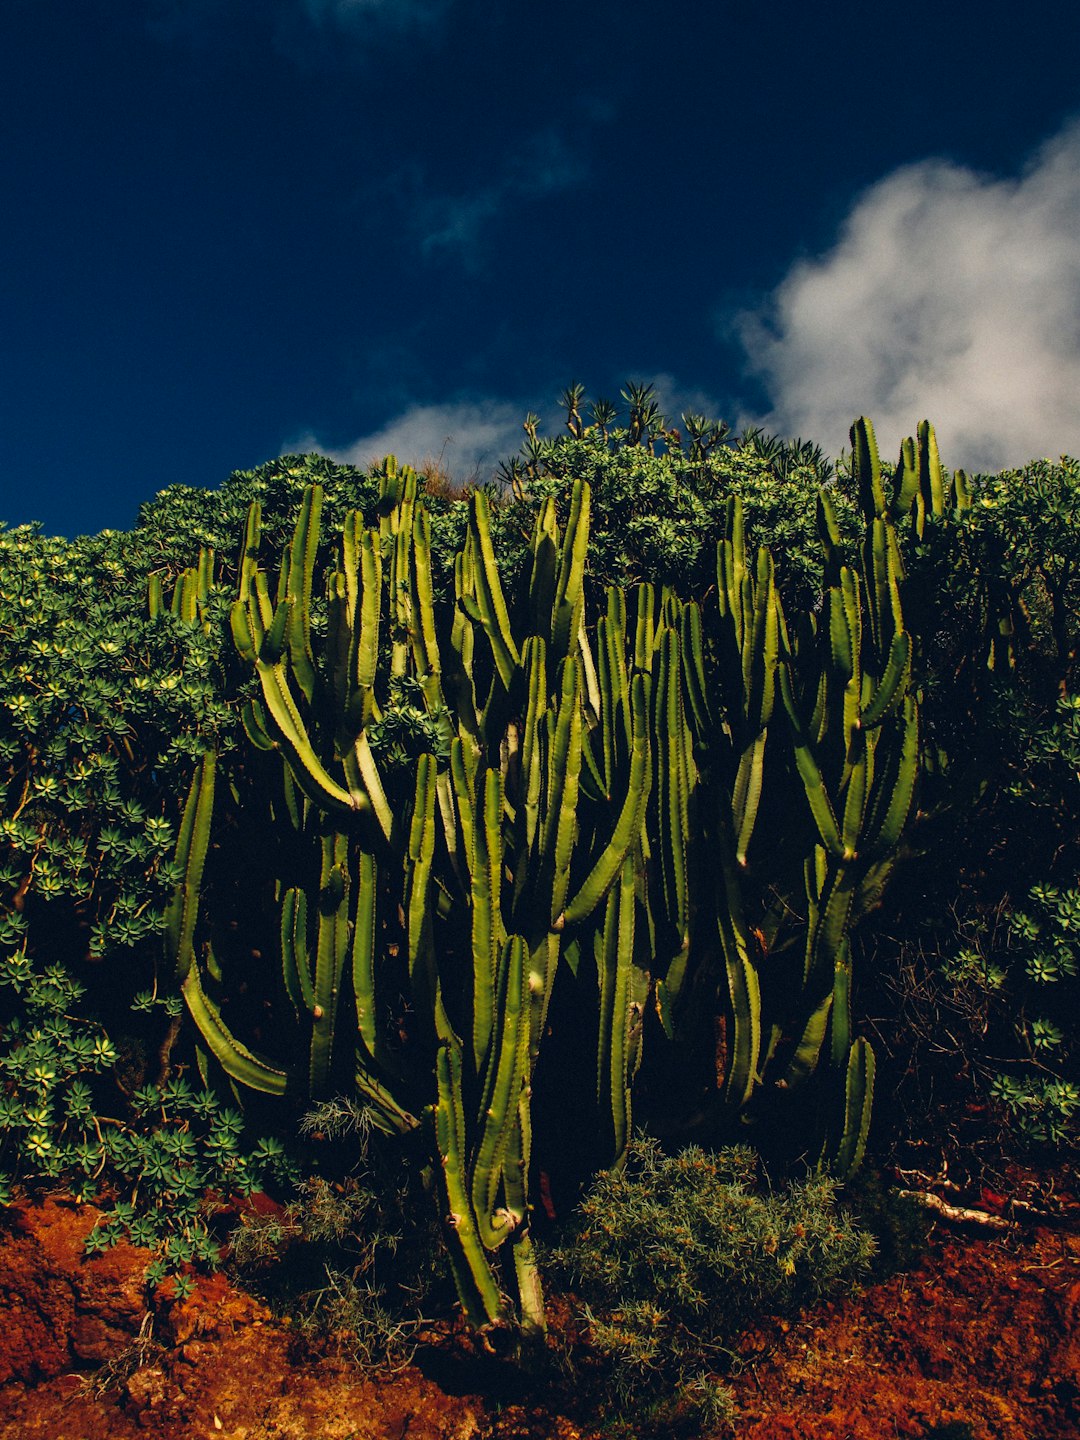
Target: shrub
{"x": 677, "y": 1255}
{"x": 356, "y": 1256}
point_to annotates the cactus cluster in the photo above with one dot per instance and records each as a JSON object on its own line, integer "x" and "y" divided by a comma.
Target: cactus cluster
{"x": 574, "y": 796}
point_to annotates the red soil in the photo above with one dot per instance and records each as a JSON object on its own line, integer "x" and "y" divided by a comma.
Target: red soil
{"x": 980, "y": 1342}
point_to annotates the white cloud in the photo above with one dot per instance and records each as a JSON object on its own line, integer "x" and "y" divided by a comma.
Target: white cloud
{"x": 948, "y": 295}
{"x": 469, "y": 437}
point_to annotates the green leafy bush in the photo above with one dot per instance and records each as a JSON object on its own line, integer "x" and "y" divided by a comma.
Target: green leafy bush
{"x": 677, "y": 1255}
{"x": 657, "y": 513}
{"x": 977, "y": 942}
{"x": 106, "y": 708}
{"x": 159, "y": 1173}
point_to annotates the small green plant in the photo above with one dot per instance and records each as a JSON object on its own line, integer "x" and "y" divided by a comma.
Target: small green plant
{"x": 356, "y": 1259}
{"x": 676, "y": 1255}
{"x": 155, "y": 1168}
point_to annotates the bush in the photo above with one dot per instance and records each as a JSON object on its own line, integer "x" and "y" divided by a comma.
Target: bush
{"x": 356, "y": 1257}
{"x": 677, "y": 1255}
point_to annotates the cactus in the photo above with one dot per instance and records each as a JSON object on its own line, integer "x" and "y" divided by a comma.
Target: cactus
{"x": 545, "y": 779}
{"x": 181, "y": 916}
{"x": 680, "y": 790}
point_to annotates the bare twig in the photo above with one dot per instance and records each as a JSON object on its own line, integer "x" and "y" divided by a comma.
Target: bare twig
{"x": 959, "y": 1214}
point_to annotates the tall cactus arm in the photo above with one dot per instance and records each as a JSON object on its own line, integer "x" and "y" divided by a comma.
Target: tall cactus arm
{"x": 843, "y": 645}
{"x": 590, "y": 678}
{"x": 526, "y": 1269}
{"x": 746, "y": 795}
{"x": 506, "y": 1068}
{"x": 905, "y": 481}
{"x": 619, "y": 1011}
{"x": 840, "y": 1027}
{"x": 332, "y": 948}
{"x": 191, "y": 847}
{"x": 425, "y": 641}
{"x": 828, "y": 529}
{"x": 817, "y": 795}
{"x": 338, "y": 643}
{"x": 364, "y": 957}
{"x": 463, "y": 767}
{"x": 476, "y": 1285}
{"x": 244, "y": 637}
{"x": 235, "y": 1059}
{"x": 693, "y": 655}
{"x": 249, "y": 555}
{"x": 960, "y": 494}
{"x": 858, "y": 1105}
{"x": 860, "y": 775}
{"x": 830, "y": 923}
{"x": 351, "y": 539}
{"x": 253, "y": 718}
{"x": 892, "y": 687}
{"x": 615, "y": 686}
{"x": 295, "y": 961}
{"x": 564, "y": 772}
{"x": 486, "y": 901}
{"x": 804, "y": 1059}
{"x": 418, "y": 910}
{"x": 534, "y": 658}
{"x": 744, "y": 990}
{"x": 672, "y": 781}
{"x": 760, "y": 657}
{"x": 542, "y": 571}
{"x": 644, "y": 627}
{"x": 866, "y": 468}
{"x": 569, "y": 604}
{"x": 489, "y": 592}
{"x": 930, "y": 500}
{"x": 892, "y": 798}
{"x": 373, "y": 793}
{"x": 302, "y": 553}
{"x": 366, "y": 624}
{"x": 628, "y": 825}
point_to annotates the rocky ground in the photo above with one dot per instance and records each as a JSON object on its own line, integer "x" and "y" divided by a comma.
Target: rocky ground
{"x": 980, "y": 1341}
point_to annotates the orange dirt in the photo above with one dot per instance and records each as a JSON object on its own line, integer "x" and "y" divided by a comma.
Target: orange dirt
{"x": 980, "y": 1342}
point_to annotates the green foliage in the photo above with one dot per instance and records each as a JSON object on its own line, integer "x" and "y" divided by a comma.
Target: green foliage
{"x": 356, "y": 1256}
{"x": 100, "y": 710}
{"x": 154, "y": 1172}
{"x": 992, "y": 591}
{"x": 572, "y": 766}
{"x": 676, "y": 1256}
{"x": 500, "y": 799}
{"x": 657, "y": 513}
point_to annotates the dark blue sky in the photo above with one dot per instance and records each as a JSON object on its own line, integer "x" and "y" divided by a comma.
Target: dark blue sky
{"x": 233, "y": 227}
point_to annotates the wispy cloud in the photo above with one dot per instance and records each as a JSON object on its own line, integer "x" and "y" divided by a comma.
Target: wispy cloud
{"x": 452, "y": 224}
{"x": 469, "y": 437}
{"x": 400, "y": 14}
{"x": 198, "y": 19}
{"x": 948, "y": 294}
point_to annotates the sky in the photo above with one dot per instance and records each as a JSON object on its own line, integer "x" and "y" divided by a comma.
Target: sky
{"x": 233, "y": 229}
